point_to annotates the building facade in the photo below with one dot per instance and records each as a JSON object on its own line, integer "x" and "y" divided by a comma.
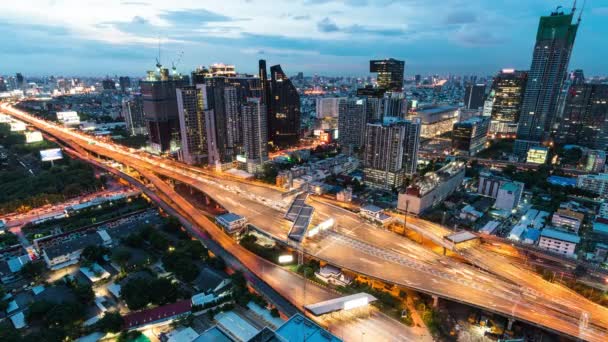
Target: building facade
{"x": 391, "y": 152}
{"x": 474, "y": 96}
{"x": 352, "y": 118}
{"x": 507, "y": 94}
{"x": 554, "y": 42}
{"x": 585, "y": 116}
{"x": 255, "y": 134}
{"x": 160, "y": 108}
{"x": 191, "y": 104}
{"x": 469, "y": 137}
{"x": 133, "y": 113}
{"x": 389, "y": 73}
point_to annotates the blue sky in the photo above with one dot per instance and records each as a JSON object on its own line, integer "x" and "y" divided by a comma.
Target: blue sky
{"x": 329, "y": 37}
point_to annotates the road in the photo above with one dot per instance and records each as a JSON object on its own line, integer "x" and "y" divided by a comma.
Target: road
{"x": 358, "y": 246}
{"x": 283, "y": 287}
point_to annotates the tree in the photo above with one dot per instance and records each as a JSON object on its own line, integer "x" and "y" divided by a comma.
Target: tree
{"x": 110, "y": 322}
{"x": 32, "y": 270}
{"x": 579, "y": 271}
{"x": 163, "y": 290}
{"x": 274, "y": 312}
{"x": 121, "y": 256}
{"x": 136, "y": 293}
{"x": 84, "y": 293}
{"x": 8, "y": 333}
{"x": 94, "y": 253}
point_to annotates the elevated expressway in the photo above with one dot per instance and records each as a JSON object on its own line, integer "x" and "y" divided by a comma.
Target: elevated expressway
{"x": 355, "y": 245}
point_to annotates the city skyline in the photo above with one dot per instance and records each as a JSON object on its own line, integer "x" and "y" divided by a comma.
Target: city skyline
{"x": 312, "y": 36}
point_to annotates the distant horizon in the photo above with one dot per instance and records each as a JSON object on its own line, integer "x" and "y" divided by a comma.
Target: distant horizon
{"x": 324, "y": 37}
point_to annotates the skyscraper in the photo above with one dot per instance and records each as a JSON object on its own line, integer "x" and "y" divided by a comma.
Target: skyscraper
{"x": 255, "y": 134}
{"x": 20, "y": 80}
{"x": 108, "y": 84}
{"x": 394, "y": 105}
{"x": 474, "y": 96}
{"x": 507, "y": 94}
{"x": 124, "y": 82}
{"x": 391, "y": 152}
{"x": 284, "y": 109}
{"x": 554, "y": 42}
{"x": 133, "y": 112}
{"x": 585, "y": 116}
{"x": 160, "y": 107}
{"x": 352, "y": 117}
{"x": 470, "y": 136}
{"x": 3, "y": 86}
{"x": 191, "y": 104}
{"x": 390, "y": 73}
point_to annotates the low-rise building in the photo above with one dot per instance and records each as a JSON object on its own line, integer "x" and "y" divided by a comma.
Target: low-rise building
{"x": 603, "y": 212}
{"x": 509, "y": 195}
{"x": 597, "y": 184}
{"x": 568, "y": 219}
{"x": 231, "y": 222}
{"x": 537, "y": 155}
{"x": 431, "y": 189}
{"x": 333, "y": 275}
{"x": 596, "y": 161}
{"x": 489, "y": 183}
{"x": 345, "y": 195}
{"x": 375, "y": 214}
{"x": 558, "y": 241}
{"x": 68, "y": 252}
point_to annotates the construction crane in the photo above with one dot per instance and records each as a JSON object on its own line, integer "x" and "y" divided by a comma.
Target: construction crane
{"x": 175, "y": 64}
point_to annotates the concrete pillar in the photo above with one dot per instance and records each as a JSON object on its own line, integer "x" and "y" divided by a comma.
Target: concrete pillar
{"x": 207, "y": 200}
{"x": 510, "y": 324}
{"x": 435, "y": 301}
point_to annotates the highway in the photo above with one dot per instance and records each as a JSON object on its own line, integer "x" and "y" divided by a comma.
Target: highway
{"x": 265, "y": 276}
{"x": 363, "y": 248}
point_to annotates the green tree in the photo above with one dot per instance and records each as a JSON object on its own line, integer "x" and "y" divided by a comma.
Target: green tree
{"x": 111, "y": 322}
{"x": 32, "y": 270}
{"x": 84, "y": 293}
{"x": 94, "y": 253}
{"x": 164, "y": 291}
{"x": 121, "y": 256}
{"x": 136, "y": 293}
{"x": 274, "y": 312}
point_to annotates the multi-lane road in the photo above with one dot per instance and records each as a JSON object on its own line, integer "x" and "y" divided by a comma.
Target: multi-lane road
{"x": 358, "y": 246}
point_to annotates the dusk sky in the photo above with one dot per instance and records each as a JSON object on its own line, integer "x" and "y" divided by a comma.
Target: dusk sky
{"x": 99, "y": 37}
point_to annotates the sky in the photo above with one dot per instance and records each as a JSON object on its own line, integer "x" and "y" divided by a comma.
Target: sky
{"x": 326, "y": 37}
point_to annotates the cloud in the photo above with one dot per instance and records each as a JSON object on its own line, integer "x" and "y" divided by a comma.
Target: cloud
{"x": 301, "y": 17}
{"x": 327, "y": 25}
{"x": 359, "y": 29}
{"x": 193, "y": 17}
{"x": 476, "y": 36}
{"x": 460, "y": 17}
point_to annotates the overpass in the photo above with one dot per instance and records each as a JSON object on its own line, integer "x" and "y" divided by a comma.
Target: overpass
{"x": 398, "y": 261}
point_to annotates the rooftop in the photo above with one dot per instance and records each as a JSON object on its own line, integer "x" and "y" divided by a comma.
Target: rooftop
{"x": 341, "y": 303}
{"x": 300, "y": 328}
{"x": 143, "y": 317}
{"x": 461, "y": 237}
{"x": 73, "y": 245}
{"x": 230, "y": 217}
{"x": 560, "y": 235}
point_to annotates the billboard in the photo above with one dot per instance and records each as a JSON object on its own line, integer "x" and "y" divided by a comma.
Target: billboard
{"x": 68, "y": 118}
{"x": 51, "y": 154}
{"x": 33, "y": 136}
{"x": 17, "y": 126}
